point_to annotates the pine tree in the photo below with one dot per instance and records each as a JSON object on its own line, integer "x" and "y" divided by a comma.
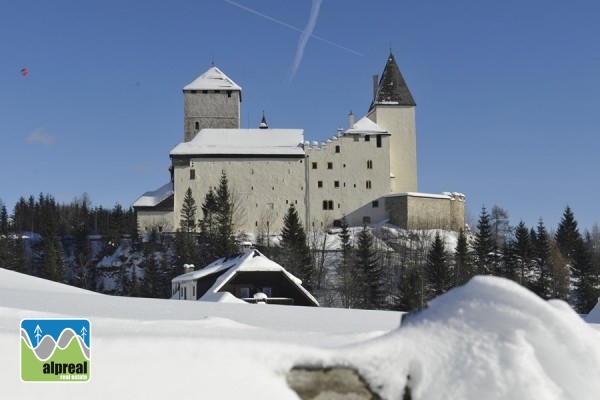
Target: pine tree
{"x": 372, "y": 288}
{"x": 51, "y": 262}
{"x": 567, "y": 235}
{"x": 225, "y": 244}
{"x": 542, "y": 256}
{"x": 437, "y": 271}
{"x": 463, "y": 264}
{"x": 188, "y": 213}
{"x": 295, "y": 252}
{"x": 522, "y": 248}
{"x": 208, "y": 228}
{"x": 585, "y": 278}
{"x": 346, "y": 275}
{"x": 484, "y": 245}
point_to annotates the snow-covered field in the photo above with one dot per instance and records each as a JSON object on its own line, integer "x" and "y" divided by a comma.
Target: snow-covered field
{"x": 490, "y": 339}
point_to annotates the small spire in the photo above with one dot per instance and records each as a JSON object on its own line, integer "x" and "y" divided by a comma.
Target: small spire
{"x": 263, "y": 122}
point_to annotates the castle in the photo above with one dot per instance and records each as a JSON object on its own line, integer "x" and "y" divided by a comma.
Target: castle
{"x": 367, "y": 173}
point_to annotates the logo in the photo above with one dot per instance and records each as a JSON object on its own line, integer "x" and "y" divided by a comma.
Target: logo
{"x": 55, "y": 350}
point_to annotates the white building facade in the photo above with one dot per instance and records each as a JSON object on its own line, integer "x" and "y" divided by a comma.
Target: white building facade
{"x": 351, "y": 174}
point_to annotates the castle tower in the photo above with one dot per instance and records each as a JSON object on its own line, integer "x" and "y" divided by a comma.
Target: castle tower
{"x": 211, "y": 101}
{"x": 393, "y": 109}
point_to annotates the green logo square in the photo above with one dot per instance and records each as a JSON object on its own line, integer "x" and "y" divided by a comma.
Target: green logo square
{"x": 55, "y": 350}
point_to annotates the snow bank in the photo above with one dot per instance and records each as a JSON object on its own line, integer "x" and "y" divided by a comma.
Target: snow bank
{"x": 490, "y": 339}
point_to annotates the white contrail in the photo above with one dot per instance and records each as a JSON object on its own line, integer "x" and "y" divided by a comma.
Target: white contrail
{"x": 310, "y": 26}
{"x": 233, "y": 3}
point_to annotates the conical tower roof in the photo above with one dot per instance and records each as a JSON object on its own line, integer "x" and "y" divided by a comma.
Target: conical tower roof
{"x": 392, "y": 88}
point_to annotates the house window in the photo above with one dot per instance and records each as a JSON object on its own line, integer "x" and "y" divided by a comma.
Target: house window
{"x": 229, "y": 93}
{"x": 217, "y": 91}
{"x": 369, "y": 164}
{"x": 336, "y": 184}
{"x": 320, "y": 184}
{"x": 193, "y": 91}
{"x": 368, "y": 184}
{"x": 375, "y": 203}
{"x": 327, "y": 204}
{"x": 192, "y": 174}
{"x": 367, "y": 138}
{"x": 244, "y": 292}
{"x": 314, "y": 165}
{"x": 267, "y": 290}
{"x": 378, "y": 140}
{"x": 329, "y": 165}
{"x": 193, "y": 292}
{"x": 204, "y": 91}
{"x": 337, "y": 149}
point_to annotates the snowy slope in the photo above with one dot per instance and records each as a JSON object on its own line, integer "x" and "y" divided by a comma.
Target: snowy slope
{"x": 489, "y": 339}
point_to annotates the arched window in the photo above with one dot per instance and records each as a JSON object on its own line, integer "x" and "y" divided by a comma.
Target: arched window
{"x": 368, "y": 184}
{"x": 369, "y": 164}
{"x": 197, "y": 125}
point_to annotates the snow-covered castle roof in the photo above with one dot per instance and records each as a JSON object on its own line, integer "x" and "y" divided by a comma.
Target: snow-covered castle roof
{"x": 213, "y": 79}
{"x": 243, "y": 141}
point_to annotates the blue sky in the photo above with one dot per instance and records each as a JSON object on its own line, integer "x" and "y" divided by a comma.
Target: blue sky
{"x": 508, "y": 104}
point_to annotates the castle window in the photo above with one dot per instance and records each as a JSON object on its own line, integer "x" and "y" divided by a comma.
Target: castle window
{"x": 337, "y": 149}
{"x": 375, "y": 203}
{"x": 192, "y": 174}
{"x": 378, "y": 140}
{"x": 368, "y": 184}
{"x": 329, "y": 165}
{"x": 327, "y": 204}
{"x": 314, "y": 165}
{"x": 217, "y": 91}
{"x": 336, "y": 184}
{"x": 287, "y": 202}
{"x": 197, "y": 125}
{"x": 369, "y": 164}
{"x": 229, "y": 93}
{"x": 367, "y": 138}
{"x": 320, "y": 184}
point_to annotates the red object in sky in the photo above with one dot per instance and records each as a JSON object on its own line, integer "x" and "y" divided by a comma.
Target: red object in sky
{"x": 24, "y": 72}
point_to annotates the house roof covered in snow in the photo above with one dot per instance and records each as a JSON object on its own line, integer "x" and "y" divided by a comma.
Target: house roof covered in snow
{"x": 392, "y": 88}
{"x": 251, "y": 260}
{"x": 208, "y": 142}
{"x": 213, "y": 79}
{"x": 365, "y": 126}
{"x": 155, "y": 197}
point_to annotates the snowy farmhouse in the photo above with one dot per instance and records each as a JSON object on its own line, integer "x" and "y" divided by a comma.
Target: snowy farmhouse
{"x": 367, "y": 172}
{"x": 247, "y": 277}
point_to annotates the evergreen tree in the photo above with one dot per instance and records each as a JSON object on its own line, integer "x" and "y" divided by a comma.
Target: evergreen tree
{"x": 116, "y": 228}
{"x": 188, "y": 213}
{"x": 347, "y": 276}
{"x": 463, "y": 264}
{"x": 372, "y": 288}
{"x": 484, "y": 245}
{"x": 585, "y": 292}
{"x": 522, "y": 248}
{"x": 542, "y": 257}
{"x": 295, "y": 252}
{"x": 567, "y": 235}
{"x": 437, "y": 271}
{"x": 51, "y": 263}
{"x": 225, "y": 244}
{"x": 208, "y": 228}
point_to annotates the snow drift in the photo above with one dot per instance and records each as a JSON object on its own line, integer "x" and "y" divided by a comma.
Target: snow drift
{"x": 489, "y": 339}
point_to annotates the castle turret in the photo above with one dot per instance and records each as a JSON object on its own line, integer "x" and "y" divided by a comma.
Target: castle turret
{"x": 393, "y": 109}
{"x": 211, "y": 101}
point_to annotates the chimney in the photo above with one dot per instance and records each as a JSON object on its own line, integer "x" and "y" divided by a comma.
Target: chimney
{"x": 350, "y": 120}
{"x": 375, "y": 84}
